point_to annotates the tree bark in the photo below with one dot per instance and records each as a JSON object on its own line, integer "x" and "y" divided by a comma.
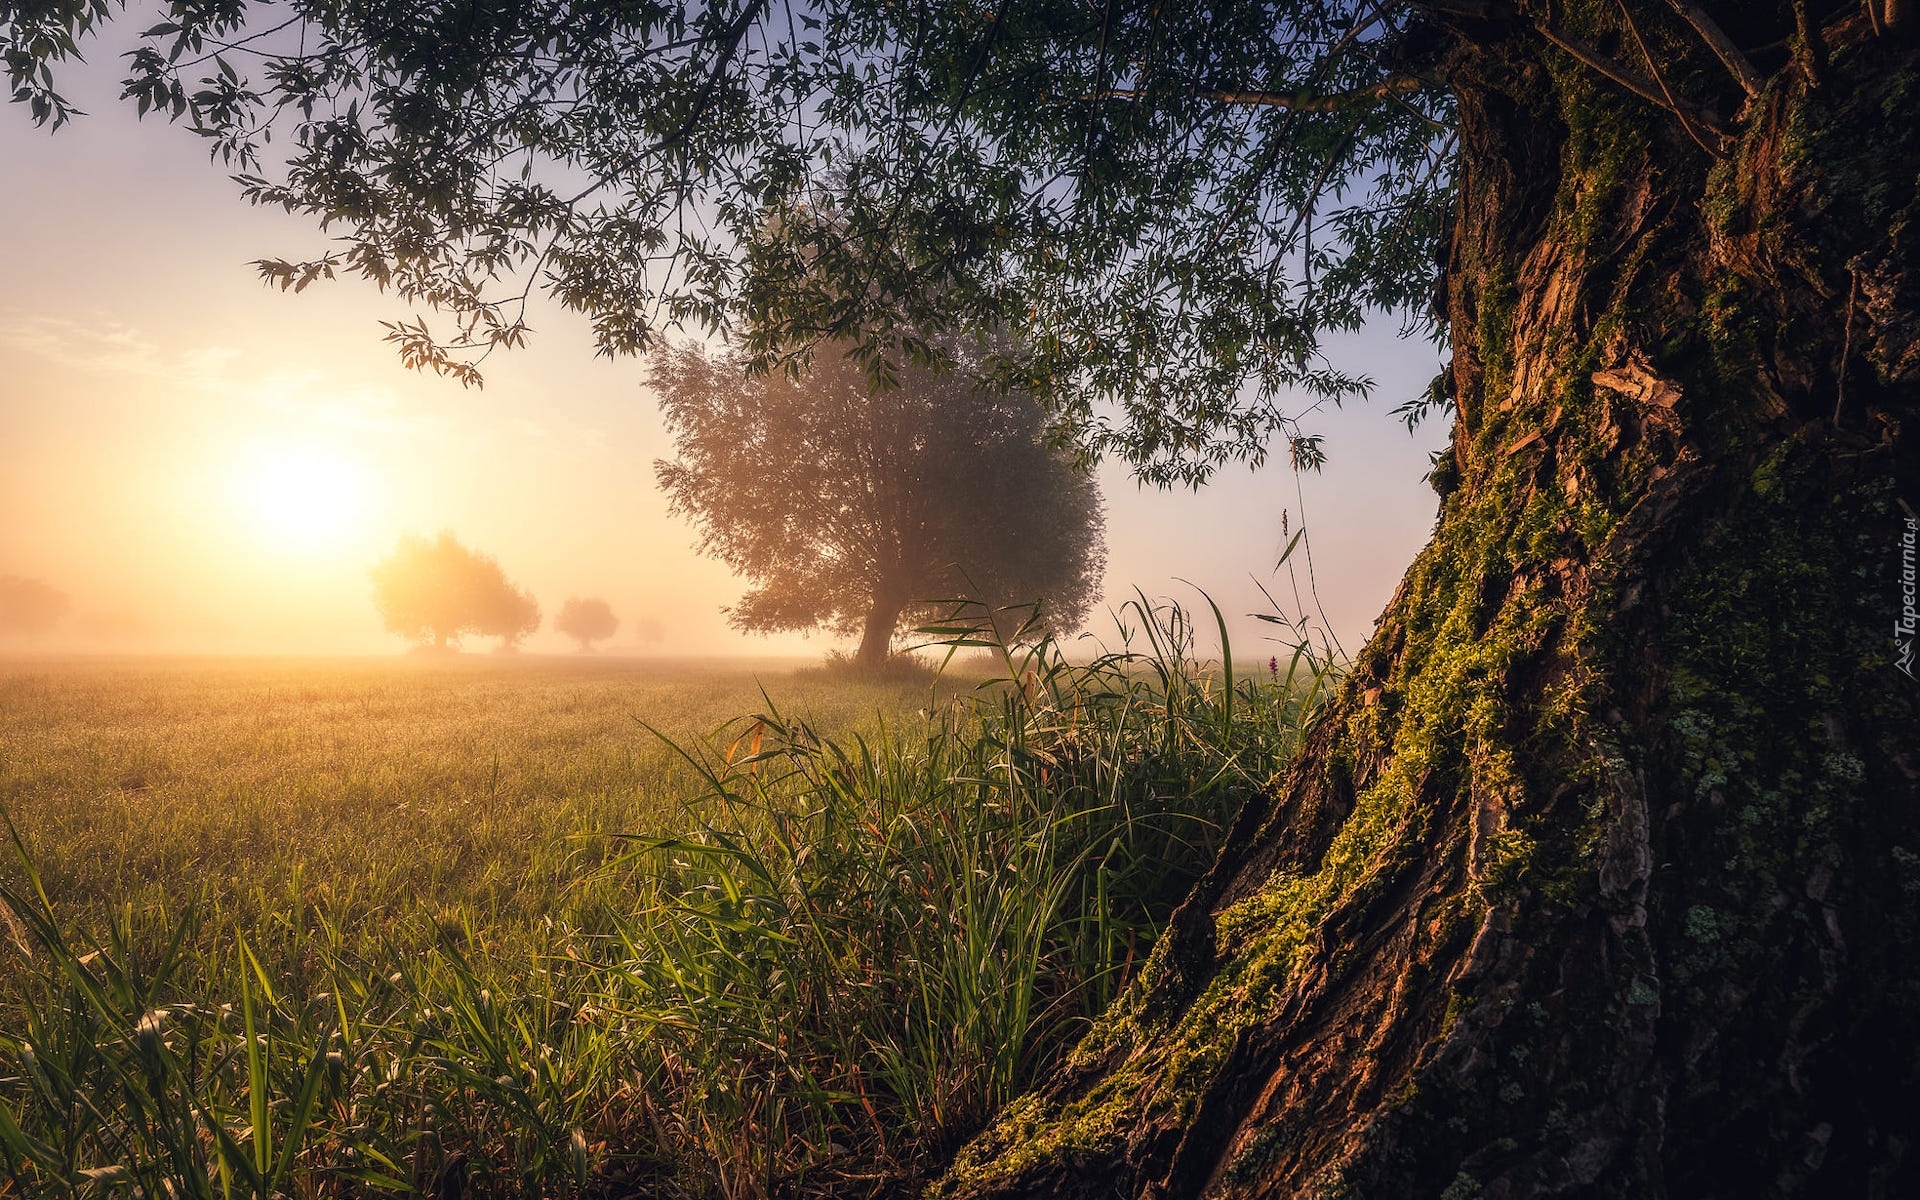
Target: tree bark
{"x": 1602, "y": 875}
{"x": 878, "y": 633}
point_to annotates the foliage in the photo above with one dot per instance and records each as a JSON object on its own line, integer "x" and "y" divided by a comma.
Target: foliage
{"x": 864, "y": 944}
{"x": 439, "y": 589}
{"x": 861, "y": 509}
{"x": 1171, "y": 205}
{"x": 514, "y": 615}
{"x": 30, "y": 605}
{"x": 587, "y": 620}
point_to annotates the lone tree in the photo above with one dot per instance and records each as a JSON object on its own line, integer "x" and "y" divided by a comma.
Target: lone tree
{"x": 30, "y": 606}
{"x": 1598, "y": 877}
{"x": 439, "y": 590}
{"x": 861, "y": 508}
{"x": 586, "y": 620}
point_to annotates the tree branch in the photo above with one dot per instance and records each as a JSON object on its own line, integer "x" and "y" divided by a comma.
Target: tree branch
{"x": 1649, "y": 90}
{"x": 1477, "y": 10}
{"x": 1716, "y": 37}
{"x": 734, "y": 34}
{"x": 1654, "y": 67}
{"x": 1302, "y": 101}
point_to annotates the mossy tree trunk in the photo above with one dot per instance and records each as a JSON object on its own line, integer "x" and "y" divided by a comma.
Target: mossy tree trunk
{"x": 1601, "y": 877}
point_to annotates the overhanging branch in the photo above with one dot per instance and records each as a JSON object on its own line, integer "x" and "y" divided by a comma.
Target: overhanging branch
{"x": 1722, "y": 45}
{"x": 1652, "y": 91}
{"x": 1653, "y": 66}
{"x": 1392, "y": 87}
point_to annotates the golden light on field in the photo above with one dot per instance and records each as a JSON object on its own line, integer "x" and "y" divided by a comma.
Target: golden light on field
{"x": 301, "y": 498}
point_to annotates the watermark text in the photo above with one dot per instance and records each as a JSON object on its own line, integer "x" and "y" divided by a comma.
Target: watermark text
{"x": 1909, "y": 620}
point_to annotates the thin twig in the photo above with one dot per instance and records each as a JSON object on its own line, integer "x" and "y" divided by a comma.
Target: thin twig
{"x": 1644, "y": 88}
{"x": 1301, "y": 101}
{"x": 1660, "y": 79}
{"x": 1722, "y": 45}
{"x": 1846, "y": 349}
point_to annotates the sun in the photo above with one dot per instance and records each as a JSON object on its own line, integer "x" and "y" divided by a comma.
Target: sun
{"x": 301, "y": 498}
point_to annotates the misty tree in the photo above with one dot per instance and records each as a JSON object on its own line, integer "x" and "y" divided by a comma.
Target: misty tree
{"x": 587, "y": 620}
{"x": 30, "y": 606}
{"x": 864, "y": 508}
{"x": 437, "y": 590}
{"x": 1597, "y": 877}
{"x": 512, "y": 615}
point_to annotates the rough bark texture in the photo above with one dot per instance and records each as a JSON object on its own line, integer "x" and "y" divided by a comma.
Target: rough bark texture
{"x": 1601, "y": 878}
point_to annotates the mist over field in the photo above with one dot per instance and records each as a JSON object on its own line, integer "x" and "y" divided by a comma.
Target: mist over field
{"x": 218, "y": 475}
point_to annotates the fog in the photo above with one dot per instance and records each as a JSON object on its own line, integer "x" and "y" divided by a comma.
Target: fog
{"x": 201, "y": 465}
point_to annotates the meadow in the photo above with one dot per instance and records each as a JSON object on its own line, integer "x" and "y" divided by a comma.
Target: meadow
{"x": 470, "y": 928}
{"x": 381, "y": 790}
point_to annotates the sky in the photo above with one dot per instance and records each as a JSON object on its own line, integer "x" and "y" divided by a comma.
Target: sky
{"x": 205, "y": 465}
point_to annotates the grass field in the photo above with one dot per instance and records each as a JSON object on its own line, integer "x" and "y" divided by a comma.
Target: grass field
{"x": 376, "y": 788}
{"x": 467, "y": 928}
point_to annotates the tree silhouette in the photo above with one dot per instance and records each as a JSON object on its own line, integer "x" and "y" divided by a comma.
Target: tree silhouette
{"x": 860, "y": 509}
{"x": 436, "y": 590}
{"x": 30, "y": 606}
{"x": 586, "y": 620}
{"x": 511, "y": 616}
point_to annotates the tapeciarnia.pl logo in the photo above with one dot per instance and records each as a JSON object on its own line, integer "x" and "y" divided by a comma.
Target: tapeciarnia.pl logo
{"x": 1903, "y": 628}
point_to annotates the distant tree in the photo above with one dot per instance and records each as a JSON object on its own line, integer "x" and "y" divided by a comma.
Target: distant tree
{"x": 29, "y": 606}
{"x": 854, "y": 508}
{"x": 511, "y": 615}
{"x": 586, "y": 620}
{"x": 438, "y": 590}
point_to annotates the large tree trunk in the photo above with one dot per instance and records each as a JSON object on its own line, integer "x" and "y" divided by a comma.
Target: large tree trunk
{"x": 1601, "y": 877}
{"x": 877, "y": 636}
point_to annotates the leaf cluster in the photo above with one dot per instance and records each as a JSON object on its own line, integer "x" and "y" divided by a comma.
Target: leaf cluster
{"x": 1172, "y": 203}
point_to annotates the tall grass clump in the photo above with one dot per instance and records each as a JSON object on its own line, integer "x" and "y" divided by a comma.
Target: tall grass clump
{"x": 866, "y": 946}
{"x": 853, "y": 951}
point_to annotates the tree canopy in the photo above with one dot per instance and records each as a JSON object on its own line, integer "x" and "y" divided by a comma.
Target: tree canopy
{"x": 586, "y": 619}
{"x": 1172, "y": 204}
{"x": 438, "y": 590}
{"x": 30, "y": 606}
{"x": 861, "y": 509}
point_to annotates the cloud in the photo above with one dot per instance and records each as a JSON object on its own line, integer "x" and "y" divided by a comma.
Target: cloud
{"x": 306, "y": 395}
{"x": 107, "y": 347}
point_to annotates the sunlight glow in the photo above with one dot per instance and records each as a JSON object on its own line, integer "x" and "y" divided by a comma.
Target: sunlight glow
{"x": 301, "y": 499}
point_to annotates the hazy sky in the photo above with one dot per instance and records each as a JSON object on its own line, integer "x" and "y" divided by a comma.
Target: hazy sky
{"x": 203, "y": 464}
